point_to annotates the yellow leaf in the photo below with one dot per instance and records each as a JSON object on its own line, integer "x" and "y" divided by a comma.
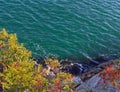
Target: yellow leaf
{"x": 4, "y": 32}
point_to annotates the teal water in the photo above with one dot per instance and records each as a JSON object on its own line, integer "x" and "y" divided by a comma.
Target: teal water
{"x": 64, "y": 28}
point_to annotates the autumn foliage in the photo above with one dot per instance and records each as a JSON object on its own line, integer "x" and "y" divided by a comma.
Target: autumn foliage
{"x": 18, "y": 71}
{"x": 111, "y": 74}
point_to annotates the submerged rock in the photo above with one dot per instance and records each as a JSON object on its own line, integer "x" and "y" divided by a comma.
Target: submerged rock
{"x": 102, "y": 58}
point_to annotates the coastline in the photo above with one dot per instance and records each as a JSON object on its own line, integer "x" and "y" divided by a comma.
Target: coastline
{"x": 91, "y": 66}
{"x": 86, "y": 74}
{"x": 18, "y": 68}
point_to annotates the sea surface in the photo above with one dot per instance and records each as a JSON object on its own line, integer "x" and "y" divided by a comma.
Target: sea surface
{"x": 64, "y": 28}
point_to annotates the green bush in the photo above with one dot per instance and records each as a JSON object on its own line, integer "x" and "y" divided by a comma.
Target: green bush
{"x": 18, "y": 72}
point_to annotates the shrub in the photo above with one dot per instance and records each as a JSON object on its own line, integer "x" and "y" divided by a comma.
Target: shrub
{"x": 18, "y": 71}
{"x": 112, "y": 74}
{"x": 11, "y": 50}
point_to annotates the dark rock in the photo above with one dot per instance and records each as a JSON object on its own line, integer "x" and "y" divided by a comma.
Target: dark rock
{"x": 102, "y": 58}
{"x": 65, "y": 69}
{"x": 92, "y": 61}
{"x": 65, "y": 62}
{"x": 40, "y": 60}
{"x": 76, "y": 69}
{"x": 1, "y": 89}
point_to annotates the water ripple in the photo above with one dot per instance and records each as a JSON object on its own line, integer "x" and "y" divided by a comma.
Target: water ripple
{"x": 65, "y": 28}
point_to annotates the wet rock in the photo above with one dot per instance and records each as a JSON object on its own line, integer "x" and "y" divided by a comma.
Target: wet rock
{"x": 92, "y": 61}
{"x": 102, "y": 58}
{"x": 74, "y": 69}
{"x": 98, "y": 60}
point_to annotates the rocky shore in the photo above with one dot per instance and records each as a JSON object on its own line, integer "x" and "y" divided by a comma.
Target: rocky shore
{"x": 80, "y": 68}
{"x": 85, "y": 73}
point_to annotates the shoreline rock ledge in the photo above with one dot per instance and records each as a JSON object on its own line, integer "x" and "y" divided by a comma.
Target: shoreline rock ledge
{"x": 86, "y": 75}
{"x": 89, "y": 81}
{"x": 94, "y": 85}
